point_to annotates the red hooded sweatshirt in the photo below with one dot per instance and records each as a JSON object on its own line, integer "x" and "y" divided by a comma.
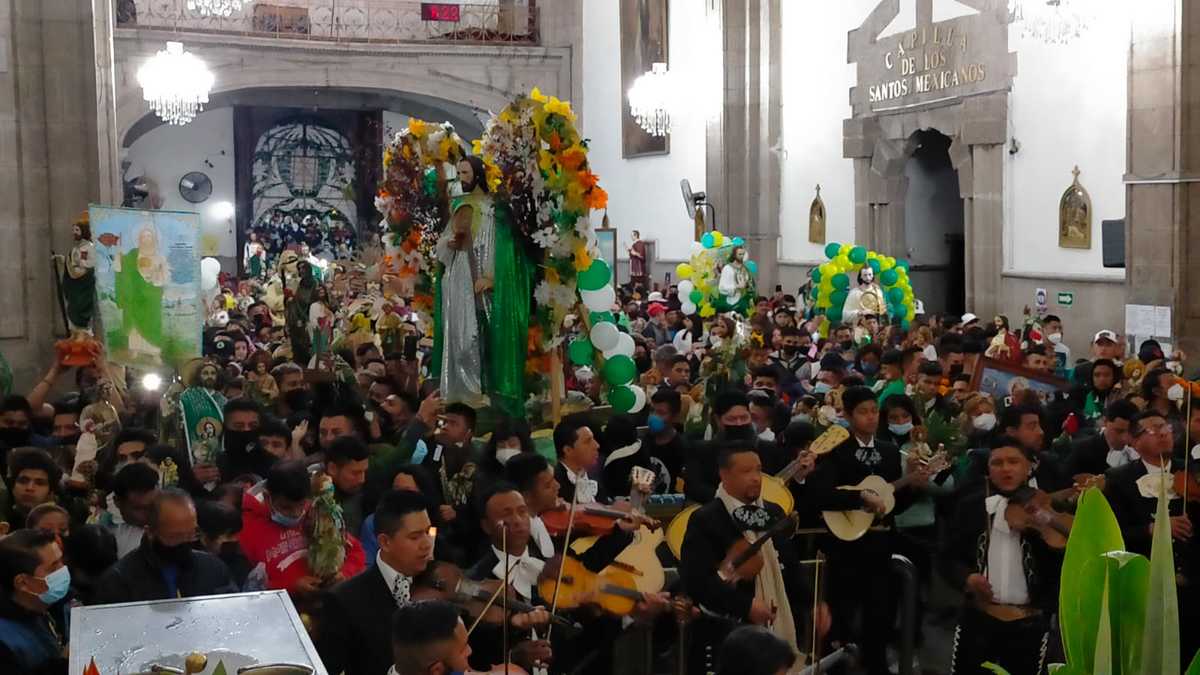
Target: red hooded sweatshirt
{"x": 284, "y": 550}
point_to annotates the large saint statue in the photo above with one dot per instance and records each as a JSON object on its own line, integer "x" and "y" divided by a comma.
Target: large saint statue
{"x": 867, "y": 298}
{"x": 141, "y": 274}
{"x": 482, "y": 300}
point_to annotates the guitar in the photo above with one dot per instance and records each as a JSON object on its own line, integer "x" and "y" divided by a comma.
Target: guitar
{"x": 775, "y": 488}
{"x": 853, "y": 524}
{"x": 639, "y": 557}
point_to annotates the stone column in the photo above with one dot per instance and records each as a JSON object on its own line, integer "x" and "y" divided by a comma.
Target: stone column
{"x": 48, "y": 169}
{"x": 1163, "y": 180}
{"x": 743, "y": 173}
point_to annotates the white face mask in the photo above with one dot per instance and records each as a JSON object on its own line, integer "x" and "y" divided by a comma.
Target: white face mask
{"x": 505, "y": 454}
{"x": 1175, "y": 393}
{"x": 1055, "y": 337}
{"x": 767, "y": 435}
{"x": 984, "y": 422}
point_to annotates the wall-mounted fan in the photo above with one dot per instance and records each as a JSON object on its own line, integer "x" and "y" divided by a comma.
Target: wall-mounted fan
{"x": 695, "y": 203}
{"x": 195, "y": 187}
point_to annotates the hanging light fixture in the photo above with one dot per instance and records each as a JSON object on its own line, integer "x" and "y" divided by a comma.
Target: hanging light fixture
{"x": 651, "y": 98}
{"x": 176, "y": 84}
{"x": 224, "y": 8}
{"x": 1054, "y": 22}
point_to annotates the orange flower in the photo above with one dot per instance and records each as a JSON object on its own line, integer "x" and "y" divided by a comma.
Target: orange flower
{"x": 573, "y": 157}
{"x": 583, "y": 261}
{"x": 596, "y": 198}
{"x": 588, "y": 179}
{"x": 534, "y": 344}
{"x": 552, "y": 275}
{"x": 555, "y": 142}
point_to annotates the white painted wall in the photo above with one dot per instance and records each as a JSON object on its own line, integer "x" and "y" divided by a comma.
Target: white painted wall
{"x": 644, "y": 192}
{"x": 168, "y": 152}
{"x": 1069, "y": 107}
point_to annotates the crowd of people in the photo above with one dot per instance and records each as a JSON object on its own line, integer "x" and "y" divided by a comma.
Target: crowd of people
{"x": 437, "y": 497}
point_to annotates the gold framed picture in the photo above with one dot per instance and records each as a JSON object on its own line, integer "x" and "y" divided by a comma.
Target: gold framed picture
{"x": 1075, "y": 216}
{"x": 816, "y": 219}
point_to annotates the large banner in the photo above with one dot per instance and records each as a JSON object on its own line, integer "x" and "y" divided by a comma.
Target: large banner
{"x": 148, "y": 284}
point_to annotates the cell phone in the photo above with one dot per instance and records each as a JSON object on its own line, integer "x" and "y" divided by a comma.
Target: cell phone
{"x": 410, "y": 347}
{"x": 778, "y": 288}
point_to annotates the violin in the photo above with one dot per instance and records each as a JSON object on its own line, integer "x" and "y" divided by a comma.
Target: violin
{"x": 743, "y": 561}
{"x": 1030, "y": 510}
{"x": 480, "y": 599}
{"x": 595, "y": 519}
{"x": 1186, "y": 485}
{"x": 612, "y": 590}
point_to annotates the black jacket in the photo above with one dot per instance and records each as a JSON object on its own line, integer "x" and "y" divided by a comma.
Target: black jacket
{"x": 138, "y": 577}
{"x": 964, "y": 553}
{"x": 354, "y": 633}
{"x": 566, "y": 489}
{"x": 710, "y": 533}
{"x": 1089, "y": 455}
{"x": 848, "y": 464}
{"x": 703, "y": 474}
{"x": 1135, "y": 513}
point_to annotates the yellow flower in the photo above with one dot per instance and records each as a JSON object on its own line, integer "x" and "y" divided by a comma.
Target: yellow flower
{"x": 477, "y": 147}
{"x": 545, "y": 160}
{"x": 444, "y": 148}
{"x": 583, "y": 261}
{"x": 537, "y": 95}
{"x": 552, "y": 275}
{"x": 417, "y": 127}
{"x": 557, "y": 107}
{"x": 707, "y": 311}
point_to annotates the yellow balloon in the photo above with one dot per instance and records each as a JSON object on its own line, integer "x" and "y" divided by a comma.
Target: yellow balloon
{"x": 871, "y": 255}
{"x": 718, "y": 238}
{"x": 684, "y": 271}
{"x": 844, "y": 250}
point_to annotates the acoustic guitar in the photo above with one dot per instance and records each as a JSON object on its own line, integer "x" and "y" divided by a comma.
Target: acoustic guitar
{"x": 775, "y": 488}
{"x": 852, "y": 525}
{"x": 640, "y": 555}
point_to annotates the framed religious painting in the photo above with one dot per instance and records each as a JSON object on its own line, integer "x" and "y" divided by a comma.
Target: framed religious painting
{"x": 1005, "y": 382}
{"x": 1075, "y": 216}
{"x": 606, "y": 241}
{"x": 643, "y": 44}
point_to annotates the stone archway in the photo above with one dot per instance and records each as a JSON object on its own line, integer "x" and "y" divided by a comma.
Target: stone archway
{"x": 880, "y": 147}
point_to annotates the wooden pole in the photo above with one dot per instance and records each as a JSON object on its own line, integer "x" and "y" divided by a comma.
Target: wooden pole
{"x": 558, "y": 386}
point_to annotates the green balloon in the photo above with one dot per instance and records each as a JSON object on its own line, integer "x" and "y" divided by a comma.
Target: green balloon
{"x": 696, "y": 297}
{"x": 858, "y": 255}
{"x": 834, "y": 314}
{"x": 816, "y": 293}
{"x": 903, "y": 264}
{"x": 622, "y": 398}
{"x": 896, "y": 295}
{"x": 595, "y": 277}
{"x": 581, "y": 352}
{"x": 816, "y": 275}
{"x": 841, "y": 281}
{"x": 619, "y": 370}
{"x": 905, "y": 324}
{"x": 838, "y": 298}
{"x": 601, "y": 317}
{"x": 832, "y": 249}
{"x": 874, "y": 264}
{"x": 889, "y": 277}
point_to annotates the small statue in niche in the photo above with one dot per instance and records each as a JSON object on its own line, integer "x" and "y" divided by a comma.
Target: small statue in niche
{"x": 816, "y": 219}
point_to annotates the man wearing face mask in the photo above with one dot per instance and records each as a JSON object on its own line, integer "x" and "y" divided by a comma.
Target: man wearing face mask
{"x": 663, "y": 440}
{"x": 733, "y": 424}
{"x": 166, "y": 565}
{"x": 243, "y": 417}
{"x": 1052, "y": 328}
{"x": 219, "y": 525}
{"x": 34, "y": 582}
{"x": 16, "y": 427}
{"x": 294, "y": 396}
{"x": 65, "y": 424}
{"x": 1110, "y": 448}
{"x": 273, "y": 531}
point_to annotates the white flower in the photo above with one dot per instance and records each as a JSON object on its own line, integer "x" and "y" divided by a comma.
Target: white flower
{"x": 542, "y": 293}
{"x": 382, "y": 204}
{"x": 545, "y": 237}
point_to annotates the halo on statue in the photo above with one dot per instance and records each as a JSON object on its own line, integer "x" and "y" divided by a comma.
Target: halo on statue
{"x": 882, "y": 287}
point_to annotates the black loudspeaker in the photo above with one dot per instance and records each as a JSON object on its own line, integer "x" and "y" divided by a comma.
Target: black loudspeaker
{"x": 1112, "y": 237}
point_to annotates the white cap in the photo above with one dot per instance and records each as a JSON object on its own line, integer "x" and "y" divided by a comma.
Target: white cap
{"x": 1105, "y": 335}
{"x": 655, "y": 296}
{"x": 968, "y": 318}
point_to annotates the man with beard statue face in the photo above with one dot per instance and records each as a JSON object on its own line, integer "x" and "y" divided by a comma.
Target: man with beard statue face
{"x": 482, "y": 300}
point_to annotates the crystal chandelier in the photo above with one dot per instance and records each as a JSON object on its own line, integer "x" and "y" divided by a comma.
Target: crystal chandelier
{"x": 651, "y": 98}
{"x": 176, "y": 84}
{"x": 1054, "y": 22}
{"x": 215, "y": 7}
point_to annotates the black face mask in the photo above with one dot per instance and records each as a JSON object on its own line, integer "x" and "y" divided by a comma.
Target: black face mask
{"x": 179, "y": 555}
{"x": 739, "y": 432}
{"x": 847, "y": 345}
{"x": 14, "y": 438}
{"x": 956, "y": 370}
{"x": 790, "y": 350}
{"x": 242, "y": 442}
{"x": 297, "y": 399}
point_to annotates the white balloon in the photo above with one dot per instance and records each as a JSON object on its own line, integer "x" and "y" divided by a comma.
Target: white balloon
{"x": 697, "y": 247}
{"x": 599, "y": 300}
{"x": 688, "y": 308}
{"x": 623, "y": 347}
{"x": 209, "y": 267}
{"x": 639, "y": 399}
{"x": 604, "y": 335}
{"x": 685, "y": 289}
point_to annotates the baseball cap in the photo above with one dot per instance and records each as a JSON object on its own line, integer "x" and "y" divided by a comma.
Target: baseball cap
{"x": 1105, "y": 335}
{"x": 655, "y": 296}
{"x": 968, "y": 318}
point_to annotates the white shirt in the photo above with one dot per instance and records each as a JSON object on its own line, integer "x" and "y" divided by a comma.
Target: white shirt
{"x": 523, "y": 573}
{"x": 585, "y": 488}
{"x": 1005, "y": 568}
{"x": 540, "y": 537}
{"x": 1119, "y": 458}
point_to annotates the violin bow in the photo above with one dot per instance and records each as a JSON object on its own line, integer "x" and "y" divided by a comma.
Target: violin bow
{"x": 816, "y": 646}
{"x": 566, "y": 547}
{"x": 504, "y": 587}
{"x": 486, "y": 606}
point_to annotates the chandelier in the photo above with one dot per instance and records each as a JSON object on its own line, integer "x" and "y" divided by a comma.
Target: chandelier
{"x": 215, "y": 7}
{"x": 1054, "y": 22}
{"x": 651, "y": 98}
{"x": 176, "y": 84}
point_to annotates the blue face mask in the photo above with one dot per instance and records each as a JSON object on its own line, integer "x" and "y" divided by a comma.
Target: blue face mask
{"x": 656, "y": 424}
{"x": 843, "y": 423}
{"x": 901, "y": 429}
{"x": 822, "y": 388}
{"x": 57, "y": 585}
{"x": 869, "y": 368}
{"x": 802, "y": 417}
{"x": 285, "y": 521}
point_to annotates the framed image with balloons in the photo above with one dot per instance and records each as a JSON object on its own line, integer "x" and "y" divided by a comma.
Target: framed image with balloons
{"x": 857, "y": 282}
{"x": 148, "y": 285}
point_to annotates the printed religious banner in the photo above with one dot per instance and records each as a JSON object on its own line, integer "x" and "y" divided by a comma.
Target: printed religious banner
{"x": 148, "y": 285}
